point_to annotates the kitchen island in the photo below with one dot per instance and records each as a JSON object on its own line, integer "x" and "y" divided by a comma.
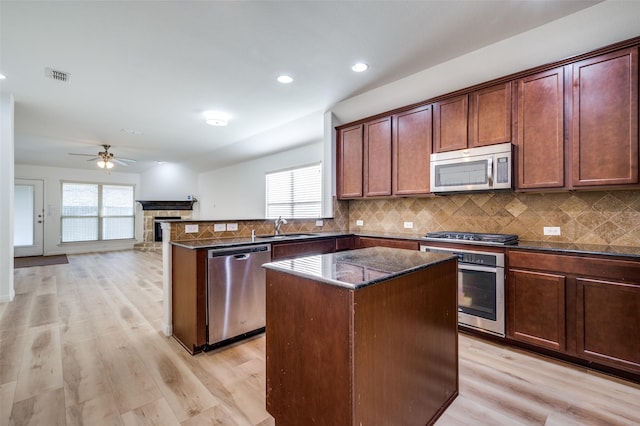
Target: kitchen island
{"x": 362, "y": 337}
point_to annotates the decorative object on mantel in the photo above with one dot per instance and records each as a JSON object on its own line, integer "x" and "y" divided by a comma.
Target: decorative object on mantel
{"x": 167, "y": 205}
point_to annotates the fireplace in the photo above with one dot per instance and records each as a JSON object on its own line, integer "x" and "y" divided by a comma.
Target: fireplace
{"x": 157, "y": 226}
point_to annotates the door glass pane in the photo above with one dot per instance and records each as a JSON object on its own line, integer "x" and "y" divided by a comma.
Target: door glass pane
{"x": 23, "y": 211}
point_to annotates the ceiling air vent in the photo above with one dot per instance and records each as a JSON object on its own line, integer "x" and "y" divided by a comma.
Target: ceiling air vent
{"x": 57, "y": 75}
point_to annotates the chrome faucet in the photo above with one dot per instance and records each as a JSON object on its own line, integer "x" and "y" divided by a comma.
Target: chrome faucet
{"x": 278, "y": 223}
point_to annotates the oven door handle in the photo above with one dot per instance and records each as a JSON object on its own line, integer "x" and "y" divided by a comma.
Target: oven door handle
{"x": 464, "y": 267}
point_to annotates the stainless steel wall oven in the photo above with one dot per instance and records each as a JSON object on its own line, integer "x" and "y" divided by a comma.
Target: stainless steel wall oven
{"x": 481, "y": 283}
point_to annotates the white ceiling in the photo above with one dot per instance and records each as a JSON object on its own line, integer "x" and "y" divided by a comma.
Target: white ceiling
{"x": 154, "y": 67}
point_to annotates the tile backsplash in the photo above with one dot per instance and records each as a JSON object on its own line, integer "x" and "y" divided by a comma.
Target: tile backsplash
{"x": 598, "y": 217}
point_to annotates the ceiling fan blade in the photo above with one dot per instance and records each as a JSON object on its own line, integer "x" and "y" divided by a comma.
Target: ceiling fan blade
{"x": 82, "y": 155}
{"x": 94, "y": 159}
{"x": 117, "y": 160}
{"x": 130, "y": 160}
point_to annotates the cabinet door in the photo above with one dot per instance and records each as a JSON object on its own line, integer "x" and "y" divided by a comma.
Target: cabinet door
{"x": 411, "y": 150}
{"x": 490, "y": 115}
{"x": 349, "y": 162}
{"x": 608, "y": 322}
{"x": 605, "y": 120}
{"x": 536, "y": 313}
{"x": 377, "y": 158}
{"x": 540, "y": 141}
{"x": 450, "y": 124}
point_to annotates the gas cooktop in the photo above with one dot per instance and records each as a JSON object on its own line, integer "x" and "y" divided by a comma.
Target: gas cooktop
{"x": 472, "y": 237}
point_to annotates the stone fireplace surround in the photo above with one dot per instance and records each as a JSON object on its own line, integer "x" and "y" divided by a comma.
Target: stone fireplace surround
{"x": 153, "y": 210}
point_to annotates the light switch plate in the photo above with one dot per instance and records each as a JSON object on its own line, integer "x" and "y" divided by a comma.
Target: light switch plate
{"x": 190, "y": 229}
{"x": 219, "y": 227}
{"x": 359, "y": 222}
{"x": 551, "y": 230}
{"x": 408, "y": 225}
{"x": 319, "y": 222}
{"x": 232, "y": 226}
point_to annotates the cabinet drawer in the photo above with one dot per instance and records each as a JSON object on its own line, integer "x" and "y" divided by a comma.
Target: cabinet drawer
{"x": 623, "y": 270}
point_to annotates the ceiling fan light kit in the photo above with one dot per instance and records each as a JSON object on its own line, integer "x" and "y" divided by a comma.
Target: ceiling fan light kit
{"x": 105, "y": 159}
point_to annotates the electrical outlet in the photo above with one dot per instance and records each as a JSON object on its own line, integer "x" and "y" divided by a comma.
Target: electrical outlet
{"x": 551, "y": 230}
{"x": 190, "y": 229}
{"x": 319, "y": 222}
{"x": 232, "y": 226}
{"x": 359, "y": 222}
{"x": 219, "y": 227}
{"x": 408, "y": 225}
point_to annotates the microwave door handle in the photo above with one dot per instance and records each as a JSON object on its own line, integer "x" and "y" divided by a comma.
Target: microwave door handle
{"x": 490, "y": 171}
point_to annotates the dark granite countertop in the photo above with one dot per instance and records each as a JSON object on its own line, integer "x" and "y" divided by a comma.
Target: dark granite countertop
{"x": 355, "y": 269}
{"x": 260, "y": 239}
{"x": 568, "y": 248}
{"x": 572, "y": 248}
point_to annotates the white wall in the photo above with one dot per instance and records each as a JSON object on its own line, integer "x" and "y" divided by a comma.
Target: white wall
{"x": 53, "y": 178}
{"x": 237, "y": 192}
{"x": 589, "y": 29}
{"x": 169, "y": 181}
{"x": 7, "y": 292}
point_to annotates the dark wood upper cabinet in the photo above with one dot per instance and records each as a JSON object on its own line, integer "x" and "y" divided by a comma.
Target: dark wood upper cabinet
{"x": 450, "y": 124}
{"x": 540, "y": 140}
{"x": 490, "y": 115}
{"x": 412, "y": 141}
{"x": 349, "y": 165}
{"x": 604, "y": 122}
{"x": 377, "y": 157}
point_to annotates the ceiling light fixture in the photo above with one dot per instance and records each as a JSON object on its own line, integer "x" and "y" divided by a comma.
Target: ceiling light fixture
{"x": 102, "y": 163}
{"x": 360, "y": 67}
{"x": 285, "y": 79}
{"x": 2, "y": 77}
{"x": 216, "y": 118}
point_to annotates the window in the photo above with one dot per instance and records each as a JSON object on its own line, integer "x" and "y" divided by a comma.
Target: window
{"x": 97, "y": 212}
{"x": 294, "y": 193}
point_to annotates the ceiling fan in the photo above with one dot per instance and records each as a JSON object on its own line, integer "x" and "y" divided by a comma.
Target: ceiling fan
{"x": 105, "y": 159}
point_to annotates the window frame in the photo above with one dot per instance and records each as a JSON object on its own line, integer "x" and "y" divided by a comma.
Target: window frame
{"x": 99, "y": 216}
{"x": 292, "y": 203}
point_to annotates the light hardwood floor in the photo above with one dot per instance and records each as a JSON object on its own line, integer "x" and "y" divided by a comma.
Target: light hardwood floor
{"x": 80, "y": 345}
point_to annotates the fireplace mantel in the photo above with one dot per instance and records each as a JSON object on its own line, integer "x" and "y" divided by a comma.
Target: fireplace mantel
{"x": 167, "y": 205}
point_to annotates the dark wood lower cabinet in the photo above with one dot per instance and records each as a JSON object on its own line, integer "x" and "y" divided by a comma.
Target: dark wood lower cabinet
{"x": 384, "y": 354}
{"x": 189, "y": 297}
{"x": 364, "y": 242}
{"x": 608, "y": 322}
{"x": 288, "y": 250}
{"x": 585, "y": 307}
{"x": 536, "y": 308}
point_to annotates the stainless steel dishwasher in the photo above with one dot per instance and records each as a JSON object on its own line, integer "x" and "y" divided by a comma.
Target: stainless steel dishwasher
{"x": 236, "y": 291}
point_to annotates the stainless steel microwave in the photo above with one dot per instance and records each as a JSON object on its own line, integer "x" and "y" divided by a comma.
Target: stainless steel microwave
{"x": 474, "y": 169}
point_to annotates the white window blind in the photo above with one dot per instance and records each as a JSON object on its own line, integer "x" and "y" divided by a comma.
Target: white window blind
{"x": 94, "y": 212}
{"x": 294, "y": 193}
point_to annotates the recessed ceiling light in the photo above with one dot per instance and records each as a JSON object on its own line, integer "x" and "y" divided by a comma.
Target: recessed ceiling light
{"x": 132, "y": 132}
{"x": 359, "y": 67}
{"x": 2, "y": 77}
{"x": 285, "y": 79}
{"x": 216, "y": 118}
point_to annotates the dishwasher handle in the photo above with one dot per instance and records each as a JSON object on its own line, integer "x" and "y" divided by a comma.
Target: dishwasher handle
{"x": 239, "y": 250}
{"x": 241, "y": 256}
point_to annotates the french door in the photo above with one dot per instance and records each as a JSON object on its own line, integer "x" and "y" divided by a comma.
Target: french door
{"x": 28, "y": 218}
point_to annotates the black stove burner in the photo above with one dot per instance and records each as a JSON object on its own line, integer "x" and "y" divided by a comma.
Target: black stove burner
{"x": 474, "y": 237}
